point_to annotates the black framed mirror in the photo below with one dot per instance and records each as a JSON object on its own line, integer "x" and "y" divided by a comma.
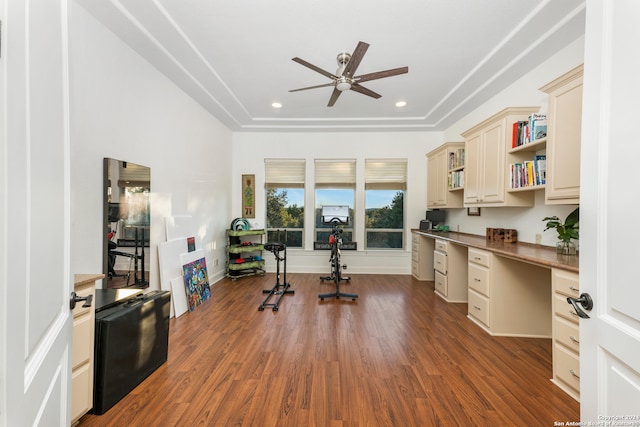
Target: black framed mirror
{"x": 126, "y": 213}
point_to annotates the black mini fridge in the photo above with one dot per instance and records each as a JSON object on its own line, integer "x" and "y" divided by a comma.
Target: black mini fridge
{"x": 132, "y": 339}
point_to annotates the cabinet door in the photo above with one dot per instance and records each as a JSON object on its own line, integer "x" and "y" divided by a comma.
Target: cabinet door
{"x": 492, "y": 187}
{"x": 473, "y": 159}
{"x": 441, "y": 181}
{"x": 437, "y": 179}
{"x": 563, "y": 146}
{"x": 432, "y": 182}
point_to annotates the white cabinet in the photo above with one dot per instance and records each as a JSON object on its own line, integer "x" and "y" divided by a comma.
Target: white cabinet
{"x": 486, "y": 177}
{"x": 564, "y": 123}
{"x": 566, "y": 333}
{"x": 421, "y": 257}
{"x": 82, "y": 347}
{"x": 508, "y": 297}
{"x": 445, "y": 176}
{"x": 450, "y": 265}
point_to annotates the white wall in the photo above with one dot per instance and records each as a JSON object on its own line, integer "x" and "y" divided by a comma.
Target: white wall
{"x": 123, "y": 108}
{"x": 250, "y": 150}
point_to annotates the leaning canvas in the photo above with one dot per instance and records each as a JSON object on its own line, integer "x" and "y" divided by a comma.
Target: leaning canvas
{"x": 196, "y": 283}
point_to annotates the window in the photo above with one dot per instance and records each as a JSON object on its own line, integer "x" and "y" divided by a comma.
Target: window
{"x": 335, "y": 185}
{"x": 385, "y": 184}
{"x": 284, "y": 182}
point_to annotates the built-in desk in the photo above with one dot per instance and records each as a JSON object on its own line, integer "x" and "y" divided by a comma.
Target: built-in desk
{"x": 544, "y": 256}
{"x": 517, "y": 289}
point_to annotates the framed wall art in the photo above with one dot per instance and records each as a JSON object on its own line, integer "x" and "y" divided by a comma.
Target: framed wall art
{"x": 473, "y": 211}
{"x": 248, "y": 196}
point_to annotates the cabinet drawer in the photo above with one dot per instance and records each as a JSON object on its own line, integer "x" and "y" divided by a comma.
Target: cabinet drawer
{"x": 566, "y": 367}
{"x": 563, "y": 309}
{"x": 479, "y": 307}
{"x": 414, "y": 268}
{"x": 440, "y": 262}
{"x": 441, "y": 246}
{"x": 478, "y": 279}
{"x": 480, "y": 257}
{"x": 567, "y": 333}
{"x": 441, "y": 283}
{"x": 415, "y": 256}
{"x": 566, "y": 283}
{"x": 415, "y": 238}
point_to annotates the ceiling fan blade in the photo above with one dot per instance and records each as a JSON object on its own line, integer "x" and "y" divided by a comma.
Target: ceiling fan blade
{"x": 363, "y": 90}
{"x": 312, "y": 87}
{"x": 381, "y": 74}
{"x": 356, "y": 57}
{"x": 314, "y": 68}
{"x": 334, "y": 97}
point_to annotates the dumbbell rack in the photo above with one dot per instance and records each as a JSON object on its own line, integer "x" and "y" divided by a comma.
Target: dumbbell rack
{"x": 244, "y": 253}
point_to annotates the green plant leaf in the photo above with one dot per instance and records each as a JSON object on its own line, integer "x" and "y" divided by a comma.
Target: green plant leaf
{"x": 567, "y": 230}
{"x": 573, "y": 218}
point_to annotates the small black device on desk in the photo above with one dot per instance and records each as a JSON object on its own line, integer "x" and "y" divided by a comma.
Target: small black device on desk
{"x": 434, "y": 218}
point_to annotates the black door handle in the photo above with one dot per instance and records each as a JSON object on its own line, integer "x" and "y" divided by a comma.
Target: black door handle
{"x": 75, "y": 299}
{"x": 585, "y": 301}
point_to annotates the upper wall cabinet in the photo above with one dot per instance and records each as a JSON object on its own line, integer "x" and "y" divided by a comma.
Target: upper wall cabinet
{"x": 563, "y": 138}
{"x": 445, "y": 176}
{"x": 486, "y": 177}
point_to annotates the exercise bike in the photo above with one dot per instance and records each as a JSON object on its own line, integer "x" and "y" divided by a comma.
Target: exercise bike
{"x": 335, "y": 240}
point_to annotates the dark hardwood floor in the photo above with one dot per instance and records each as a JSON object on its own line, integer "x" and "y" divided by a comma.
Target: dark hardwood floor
{"x": 398, "y": 356}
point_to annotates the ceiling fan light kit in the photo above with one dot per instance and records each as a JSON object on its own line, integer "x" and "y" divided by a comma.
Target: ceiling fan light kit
{"x": 344, "y": 78}
{"x": 343, "y": 84}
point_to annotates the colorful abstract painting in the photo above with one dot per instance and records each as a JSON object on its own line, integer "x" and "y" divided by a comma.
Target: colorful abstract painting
{"x": 196, "y": 283}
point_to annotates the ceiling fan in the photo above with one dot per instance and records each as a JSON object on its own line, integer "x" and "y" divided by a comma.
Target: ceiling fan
{"x": 344, "y": 78}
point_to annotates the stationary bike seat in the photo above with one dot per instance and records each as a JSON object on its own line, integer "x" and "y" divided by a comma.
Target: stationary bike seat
{"x": 274, "y": 247}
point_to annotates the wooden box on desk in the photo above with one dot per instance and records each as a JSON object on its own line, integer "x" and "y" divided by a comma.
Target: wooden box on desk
{"x": 507, "y": 235}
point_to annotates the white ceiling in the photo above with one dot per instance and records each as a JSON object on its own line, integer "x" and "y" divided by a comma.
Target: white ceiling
{"x": 234, "y": 56}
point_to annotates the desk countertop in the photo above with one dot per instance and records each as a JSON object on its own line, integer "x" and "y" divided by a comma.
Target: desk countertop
{"x": 527, "y": 252}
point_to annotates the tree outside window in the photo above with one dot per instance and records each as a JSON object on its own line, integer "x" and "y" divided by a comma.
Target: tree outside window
{"x": 385, "y": 184}
{"x": 285, "y": 216}
{"x": 384, "y": 219}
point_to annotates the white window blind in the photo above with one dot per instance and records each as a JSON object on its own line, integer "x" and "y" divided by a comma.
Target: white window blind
{"x": 335, "y": 173}
{"x": 385, "y": 174}
{"x": 284, "y": 173}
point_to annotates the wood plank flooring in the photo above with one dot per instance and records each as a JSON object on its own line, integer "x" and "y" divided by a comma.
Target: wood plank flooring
{"x": 398, "y": 356}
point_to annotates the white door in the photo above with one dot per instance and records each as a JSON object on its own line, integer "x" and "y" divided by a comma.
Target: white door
{"x": 35, "y": 285}
{"x": 609, "y": 212}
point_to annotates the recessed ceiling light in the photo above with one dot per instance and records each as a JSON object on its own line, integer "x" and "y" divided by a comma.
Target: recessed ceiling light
{"x": 401, "y": 103}
{"x": 276, "y": 105}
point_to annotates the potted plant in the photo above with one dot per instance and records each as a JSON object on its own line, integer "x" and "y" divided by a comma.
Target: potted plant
{"x": 566, "y": 231}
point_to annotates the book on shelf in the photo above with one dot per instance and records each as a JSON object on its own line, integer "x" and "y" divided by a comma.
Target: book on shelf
{"x": 456, "y": 159}
{"x": 455, "y": 179}
{"x": 538, "y": 124}
{"x": 526, "y": 131}
{"x": 540, "y": 166}
{"x": 528, "y": 173}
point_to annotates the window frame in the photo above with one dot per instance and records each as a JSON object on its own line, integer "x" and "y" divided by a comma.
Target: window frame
{"x": 386, "y": 174}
